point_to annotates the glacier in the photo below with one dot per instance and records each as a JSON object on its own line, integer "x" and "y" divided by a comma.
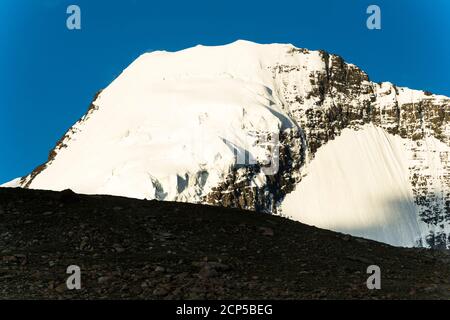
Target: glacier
{"x": 358, "y": 183}
{"x": 369, "y": 159}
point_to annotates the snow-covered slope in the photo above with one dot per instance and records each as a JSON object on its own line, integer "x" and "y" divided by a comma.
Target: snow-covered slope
{"x": 246, "y": 124}
{"x": 15, "y": 183}
{"x": 164, "y": 128}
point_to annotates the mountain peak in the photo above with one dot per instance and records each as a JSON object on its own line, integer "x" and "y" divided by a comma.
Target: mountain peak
{"x": 258, "y": 127}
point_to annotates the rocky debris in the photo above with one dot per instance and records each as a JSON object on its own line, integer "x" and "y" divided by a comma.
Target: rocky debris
{"x": 210, "y": 269}
{"x": 226, "y": 256}
{"x": 207, "y": 272}
{"x": 159, "y": 269}
{"x": 104, "y": 279}
{"x": 266, "y": 231}
{"x": 118, "y": 248}
{"x": 62, "y": 288}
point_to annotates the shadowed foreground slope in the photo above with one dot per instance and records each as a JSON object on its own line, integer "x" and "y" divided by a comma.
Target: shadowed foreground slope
{"x": 130, "y": 248}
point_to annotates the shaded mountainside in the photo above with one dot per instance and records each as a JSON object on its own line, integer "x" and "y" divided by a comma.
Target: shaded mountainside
{"x": 129, "y": 248}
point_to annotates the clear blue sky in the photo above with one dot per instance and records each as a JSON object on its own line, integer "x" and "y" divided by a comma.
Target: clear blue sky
{"x": 48, "y": 74}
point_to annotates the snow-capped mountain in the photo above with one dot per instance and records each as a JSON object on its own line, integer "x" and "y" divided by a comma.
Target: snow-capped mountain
{"x": 271, "y": 128}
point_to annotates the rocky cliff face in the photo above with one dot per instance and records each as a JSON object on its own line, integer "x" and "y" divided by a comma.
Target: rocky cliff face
{"x": 239, "y": 189}
{"x": 339, "y": 96}
{"x": 319, "y": 95}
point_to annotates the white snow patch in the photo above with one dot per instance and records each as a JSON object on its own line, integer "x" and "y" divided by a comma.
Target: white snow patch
{"x": 15, "y": 183}
{"x": 358, "y": 184}
{"x": 168, "y": 126}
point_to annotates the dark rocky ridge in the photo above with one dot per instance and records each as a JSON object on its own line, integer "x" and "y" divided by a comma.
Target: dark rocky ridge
{"x": 130, "y": 248}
